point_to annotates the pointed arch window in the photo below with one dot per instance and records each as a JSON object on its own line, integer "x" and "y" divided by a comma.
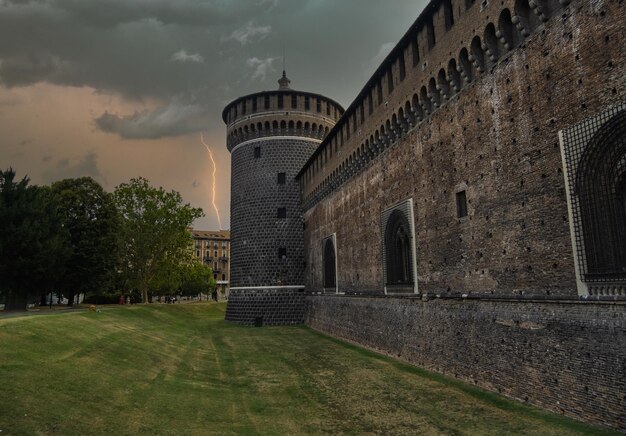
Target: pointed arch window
{"x": 398, "y": 249}
{"x": 330, "y": 265}
{"x": 594, "y": 153}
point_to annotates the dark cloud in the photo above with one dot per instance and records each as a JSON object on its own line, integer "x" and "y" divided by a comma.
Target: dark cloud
{"x": 65, "y": 168}
{"x": 208, "y": 51}
{"x": 172, "y": 120}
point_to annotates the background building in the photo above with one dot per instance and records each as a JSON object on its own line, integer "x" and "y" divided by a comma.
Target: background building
{"x": 213, "y": 248}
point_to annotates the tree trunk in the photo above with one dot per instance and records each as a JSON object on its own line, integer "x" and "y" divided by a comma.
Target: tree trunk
{"x": 16, "y": 301}
{"x": 70, "y": 298}
{"x": 144, "y": 295}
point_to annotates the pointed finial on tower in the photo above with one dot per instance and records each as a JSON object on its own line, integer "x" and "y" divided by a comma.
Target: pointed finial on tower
{"x": 284, "y": 82}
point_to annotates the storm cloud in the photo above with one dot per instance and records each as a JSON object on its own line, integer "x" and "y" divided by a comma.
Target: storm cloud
{"x": 121, "y": 88}
{"x": 211, "y": 51}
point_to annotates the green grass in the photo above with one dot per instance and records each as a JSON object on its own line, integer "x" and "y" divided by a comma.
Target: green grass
{"x": 180, "y": 369}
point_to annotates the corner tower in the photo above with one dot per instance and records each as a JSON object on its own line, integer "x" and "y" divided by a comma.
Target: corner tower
{"x": 270, "y": 136}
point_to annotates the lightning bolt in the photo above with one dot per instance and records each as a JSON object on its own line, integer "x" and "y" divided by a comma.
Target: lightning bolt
{"x": 217, "y": 212}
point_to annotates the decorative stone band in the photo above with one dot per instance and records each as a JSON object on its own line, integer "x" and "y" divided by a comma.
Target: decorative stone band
{"x": 265, "y": 138}
{"x": 279, "y": 115}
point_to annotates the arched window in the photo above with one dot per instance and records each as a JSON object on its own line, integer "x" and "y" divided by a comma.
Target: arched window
{"x": 601, "y": 189}
{"x": 465, "y": 66}
{"x": 330, "y": 279}
{"x": 478, "y": 56}
{"x": 398, "y": 252}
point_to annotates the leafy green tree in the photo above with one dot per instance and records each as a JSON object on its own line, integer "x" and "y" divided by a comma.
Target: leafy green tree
{"x": 89, "y": 215}
{"x": 197, "y": 279}
{"x": 154, "y": 232}
{"x": 33, "y": 246}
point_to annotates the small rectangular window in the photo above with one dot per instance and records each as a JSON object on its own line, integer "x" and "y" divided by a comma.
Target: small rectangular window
{"x": 294, "y": 101}
{"x": 354, "y": 122}
{"x": 282, "y": 212}
{"x": 390, "y": 81}
{"x": 267, "y": 102}
{"x": 307, "y": 103}
{"x": 327, "y": 108}
{"x": 282, "y": 178}
{"x": 280, "y": 101}
{"x": 371, "y": 103}
{"x": 244, "y": 107}
{"x": 254, "y": 105}
{"x": 319, "y": 105}
{"x": 461, "y": 204}
{"x": 362, "y": 110}
{"x": 257, "y": 152}
{"x": 380, "y": 93}
{"x": 282, "y": 252}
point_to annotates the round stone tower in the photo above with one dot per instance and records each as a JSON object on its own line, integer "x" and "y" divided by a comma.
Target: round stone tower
{"x": 270, "y": 136}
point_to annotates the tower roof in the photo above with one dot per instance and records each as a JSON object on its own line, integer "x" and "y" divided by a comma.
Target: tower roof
{"x": 283, "y": 82}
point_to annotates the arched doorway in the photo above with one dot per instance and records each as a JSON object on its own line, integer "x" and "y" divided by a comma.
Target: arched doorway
{"x": 398, "y": 253}
{"x": 330, "y": 265}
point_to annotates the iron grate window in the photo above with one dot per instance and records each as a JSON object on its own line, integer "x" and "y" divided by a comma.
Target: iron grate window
{"x": 594, "y": 154}
{"x": 282, "y": 212}
{"x": 282, "y": 178}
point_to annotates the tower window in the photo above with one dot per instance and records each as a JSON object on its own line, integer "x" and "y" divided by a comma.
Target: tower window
{"x": 402, "y": 66}
{"x": 282, "y": 178}
{"x": 243, "y": 107}
{"x": 461, "y": 204}
{"x": 280, "y": 101}
{"x": 254, "y": 105}
{"x": 380, "y": 93}
{"x": 257, "y": 152}
{"x": 327, "y": 108}
{"x": 319, "y": 105}
{"x": 267, "y": 102}
{"x": 294, "y": 101}
{"x": 307, "y": 103}
{"x": 390, "y": 81}
{"x": 282, "y": 212}
{"x": 282, "y": 253}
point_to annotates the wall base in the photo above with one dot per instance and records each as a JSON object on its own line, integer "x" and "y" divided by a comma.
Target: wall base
{"x": 266, "y": 306}
{"x": 565, "y": 356}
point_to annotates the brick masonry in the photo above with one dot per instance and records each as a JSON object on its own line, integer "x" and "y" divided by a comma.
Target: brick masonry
{"x": 565, "y": 356}
{"x": 497, "y": 139}
{"x": 256, "y": 231}
{"x": 266, "y": 307}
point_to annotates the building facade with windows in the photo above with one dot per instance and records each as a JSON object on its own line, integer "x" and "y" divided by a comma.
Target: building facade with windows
{"x": 213, "y": 249}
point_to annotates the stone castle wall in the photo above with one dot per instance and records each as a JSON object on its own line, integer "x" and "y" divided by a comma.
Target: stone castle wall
{"x": 565, "y": 356}
{"x": 257, "y": 233}
{"x": 489, "y": 128}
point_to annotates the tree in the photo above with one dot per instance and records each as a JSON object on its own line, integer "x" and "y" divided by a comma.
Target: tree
{"x": 198, "y": 278}
{"x": 89, "y": 215}
{"x": 32, "y": 241}
{"x": 154, "y": 232}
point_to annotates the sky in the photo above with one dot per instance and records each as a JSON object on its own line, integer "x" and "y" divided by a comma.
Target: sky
{"x": 116, "y": 89}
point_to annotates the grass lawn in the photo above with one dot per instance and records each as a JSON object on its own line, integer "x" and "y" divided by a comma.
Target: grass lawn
{"x": 180, "y": 369}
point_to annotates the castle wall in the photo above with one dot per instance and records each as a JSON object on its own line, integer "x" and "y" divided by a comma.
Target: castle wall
{"x": 257, "y": 233}
{"x": 568, "y": 357}
{"x": 495, "y": 138}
